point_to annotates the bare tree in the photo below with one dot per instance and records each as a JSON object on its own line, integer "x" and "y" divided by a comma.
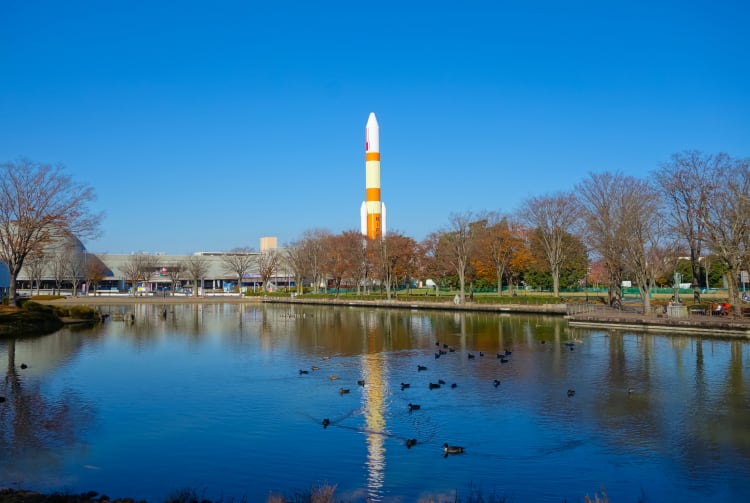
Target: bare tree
{"x": 39, "y": 202}
{"x": 641, "y": 216}
{"x": 58, "y": 270}
{"x": 196, "y": 267}
{"x": 459, "y": 240}
{"x": 726, "y": 220}
{"x": 36, "y": 263}
{"x": 139, "y": 268}
{"x": 268, "y": 263}
{"x": 175, "y": 270}
{"x": 604, "y": 227}
{"x": 239, "y": 261}
{"x": 73, "y": 257}
{"x": 73, "y": 264}
{"x": 294, "y": 258}
{"x": 553, "y": 216}
{"x": 313, "y": 245}
{"x": 355, "y": 249}
{"x": 685, "y": 183}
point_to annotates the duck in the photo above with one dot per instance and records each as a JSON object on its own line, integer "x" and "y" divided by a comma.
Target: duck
{"x": 361, "y": 382}
{"x": 333, "y": 377}
{"x": 434, "y": 385}
{"x": 452, "y": 449}
{"x": 452, "y": 350}
{"x": 301, "y": 371}
{"x": 571, "y": 392}
{"x": 343, "y": 391}
{"x": 24, "y": 366}
{"x": 440, "y": 381}
{"x": 471, "y": 355}
{"x": 404, "y": 385}
{"x": 437, "y": 355}
{"x": 315, "y": 368}
{"x": 496, "y": 382}
{"x": 631, "y": 391}
{"x": 421, "y": 368}
{"x": 454, "y": 385}
{"x": 411, "y": 442}
{"x": 508, "y": 353}
{"x": 504, "y": 360}
{"x": 414, "y": 406}
{"x": 481, "y": 354}
{"x": 326, "y": 422}
{"x": 500, "y": 355}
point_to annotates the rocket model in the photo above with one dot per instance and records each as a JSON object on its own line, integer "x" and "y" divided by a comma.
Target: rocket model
{"x": 372, "y": 212}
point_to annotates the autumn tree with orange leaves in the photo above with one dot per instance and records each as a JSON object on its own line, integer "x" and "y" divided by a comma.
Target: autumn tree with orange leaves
{"x": 396, "y": 257}
{"x": 501, "y": 250}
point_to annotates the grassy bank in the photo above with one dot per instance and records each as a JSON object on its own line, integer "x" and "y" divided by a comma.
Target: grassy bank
{"x": 33, "y": 318}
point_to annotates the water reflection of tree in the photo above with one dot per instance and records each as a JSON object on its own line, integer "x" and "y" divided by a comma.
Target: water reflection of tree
{"x": 34, "y": 428}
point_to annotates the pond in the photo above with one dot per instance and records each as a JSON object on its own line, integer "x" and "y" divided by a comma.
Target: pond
{"x": 229, "y": 401}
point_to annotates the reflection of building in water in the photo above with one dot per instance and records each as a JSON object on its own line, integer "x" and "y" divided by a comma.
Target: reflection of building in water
{"x": 374, "y": 375}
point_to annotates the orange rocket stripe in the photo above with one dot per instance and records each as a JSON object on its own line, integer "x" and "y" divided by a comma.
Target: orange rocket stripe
{"x": 373, "y": 194}
{"x": 372, "y": 156}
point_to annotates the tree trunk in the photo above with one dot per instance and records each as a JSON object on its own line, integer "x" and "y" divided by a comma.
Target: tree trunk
{"x": 12, "y": 289}
{"x": 645, "y": 290}
{"x": 556, "y": 281}
{"x": 734, "y": 290}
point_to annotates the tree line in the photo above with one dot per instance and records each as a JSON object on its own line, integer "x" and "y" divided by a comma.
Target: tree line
{"x": 610, "y": 227}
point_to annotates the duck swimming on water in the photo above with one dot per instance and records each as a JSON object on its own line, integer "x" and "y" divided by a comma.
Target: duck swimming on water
{"x": 452, "y": 449}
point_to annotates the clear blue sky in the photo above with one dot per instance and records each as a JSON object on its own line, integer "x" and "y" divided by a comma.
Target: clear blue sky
{"x": 206, "y": 125}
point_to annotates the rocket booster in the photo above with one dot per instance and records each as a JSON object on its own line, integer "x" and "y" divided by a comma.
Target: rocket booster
{"x": 372, "y": 212}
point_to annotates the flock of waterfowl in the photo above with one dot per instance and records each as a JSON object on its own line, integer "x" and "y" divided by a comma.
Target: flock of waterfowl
{"x": 442, "y": 349}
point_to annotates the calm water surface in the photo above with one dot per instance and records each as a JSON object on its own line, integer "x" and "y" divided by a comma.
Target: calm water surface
{"x": 210, "y": 397}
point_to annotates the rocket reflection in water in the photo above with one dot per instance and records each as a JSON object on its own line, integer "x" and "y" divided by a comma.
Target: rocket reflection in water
{"x": 373, "y": 398}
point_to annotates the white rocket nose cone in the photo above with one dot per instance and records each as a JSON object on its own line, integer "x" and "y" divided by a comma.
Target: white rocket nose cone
{"x": 372, "y": 121}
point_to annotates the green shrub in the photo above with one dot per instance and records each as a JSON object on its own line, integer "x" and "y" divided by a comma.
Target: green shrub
{"x": 31, "y": 306}
{"x": 83, "y": 313}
